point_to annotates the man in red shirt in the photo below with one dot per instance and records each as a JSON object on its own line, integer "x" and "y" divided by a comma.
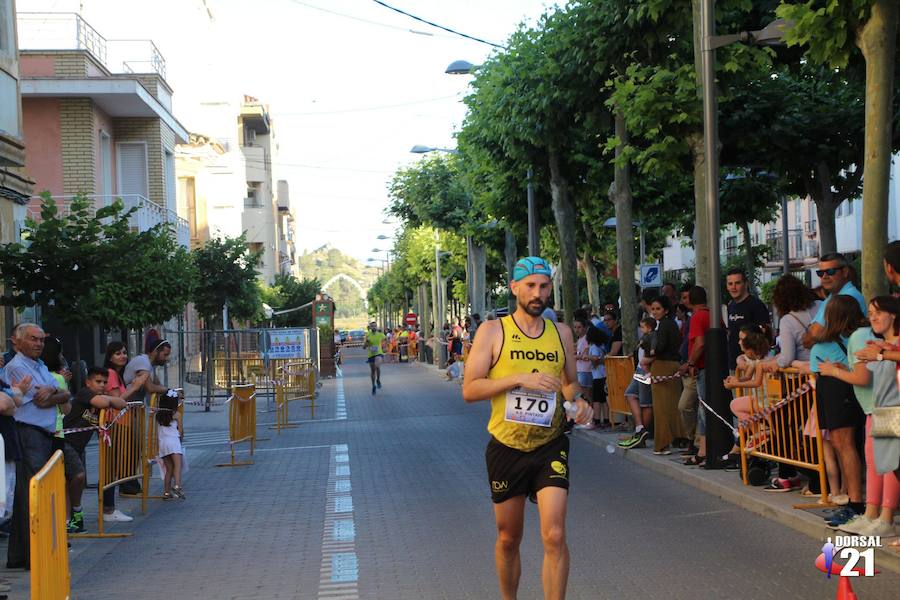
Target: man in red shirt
{"x": 695, "y": 364}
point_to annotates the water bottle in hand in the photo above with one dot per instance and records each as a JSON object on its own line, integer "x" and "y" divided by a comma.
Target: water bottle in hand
{"x": 571, "y": 409}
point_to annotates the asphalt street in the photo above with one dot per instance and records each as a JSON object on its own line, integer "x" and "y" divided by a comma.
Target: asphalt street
{"x": 392, "y": 502}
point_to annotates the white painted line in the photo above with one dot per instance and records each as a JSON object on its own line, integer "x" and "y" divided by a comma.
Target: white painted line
{"x": 339, "y": 572}
{"x": 275, "y": 449}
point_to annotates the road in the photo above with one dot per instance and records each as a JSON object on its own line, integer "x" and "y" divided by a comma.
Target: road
{"x": 386, "y": 497}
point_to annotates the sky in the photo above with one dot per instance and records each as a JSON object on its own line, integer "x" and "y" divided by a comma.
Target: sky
{"x": 349, "y": 93}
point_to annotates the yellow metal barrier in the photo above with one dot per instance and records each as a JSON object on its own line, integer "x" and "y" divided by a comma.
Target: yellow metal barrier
{"x": 787, "y": 434}
{"x": 122, "y": 459}
{"x": 619, "y": 373}
{"x": 241, "y": 370}
{"x": 241, "y": 421}
{"x": 296, "y": 381}
{"x": 47, "y": 515}
{"x": 151, "y": 448}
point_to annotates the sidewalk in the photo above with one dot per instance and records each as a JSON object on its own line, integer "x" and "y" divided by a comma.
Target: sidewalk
{"x": 728, "y": 486}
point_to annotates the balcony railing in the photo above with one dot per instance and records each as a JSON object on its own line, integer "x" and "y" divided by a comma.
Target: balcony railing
{"x": 775, "y": 241}
{"x": 146, "y": 216}
{"x": 68, "y": 31}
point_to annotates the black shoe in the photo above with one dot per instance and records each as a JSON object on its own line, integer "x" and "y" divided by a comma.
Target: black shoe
{"x": 568, "y": 427}
{"x": 373, "y": 390}
{"x": 378, "y": 383}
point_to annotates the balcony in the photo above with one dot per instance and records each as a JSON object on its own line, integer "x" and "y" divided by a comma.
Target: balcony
{"x": 68, "y": 31}
{"x": 146, "y": 216}
{"x": 775, "y": 242}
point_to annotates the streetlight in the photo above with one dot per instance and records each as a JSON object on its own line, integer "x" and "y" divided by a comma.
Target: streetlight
{"x": 420, "y": 149}
{"x": 464, "y": 67}
{"x": 611, "y": 223}
{"x": 716, "y": 354}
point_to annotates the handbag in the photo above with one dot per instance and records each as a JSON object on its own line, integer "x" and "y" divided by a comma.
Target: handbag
{"x": 886, "y": 422}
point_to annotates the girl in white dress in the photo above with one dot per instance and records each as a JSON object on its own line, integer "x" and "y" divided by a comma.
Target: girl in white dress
{"x": 170, "y": 449}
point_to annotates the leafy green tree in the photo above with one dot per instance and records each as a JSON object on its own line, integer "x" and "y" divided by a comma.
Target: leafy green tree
{"x": 289, "y": 292}
{"x": 832, "y": 30}
{"x": 149, "y": 279}
{"x": 226, "y": 274}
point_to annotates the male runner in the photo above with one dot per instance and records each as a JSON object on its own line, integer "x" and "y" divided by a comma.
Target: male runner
{"x": 374, "y": 344}
{"x": 525, "y": 365}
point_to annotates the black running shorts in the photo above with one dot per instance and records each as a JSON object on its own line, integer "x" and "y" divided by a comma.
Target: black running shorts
{"x": 513, "y": 473}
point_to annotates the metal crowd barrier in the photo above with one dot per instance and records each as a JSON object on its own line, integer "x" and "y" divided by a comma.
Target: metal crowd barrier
{"x": 294, "y": 382}
{"x": 241, "y": 421}
{"x": 47, "y": 529}
{"x": 619, "y": 374}
{"x": 122, "y": 459}
{"x": 788, "y": 433}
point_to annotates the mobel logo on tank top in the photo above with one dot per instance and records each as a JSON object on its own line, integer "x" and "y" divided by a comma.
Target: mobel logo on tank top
{"x": 534, "y": 355}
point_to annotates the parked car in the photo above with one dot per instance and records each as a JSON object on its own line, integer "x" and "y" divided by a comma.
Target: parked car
{"x": 356, "y": 337}
{"x": 343, "y": 333}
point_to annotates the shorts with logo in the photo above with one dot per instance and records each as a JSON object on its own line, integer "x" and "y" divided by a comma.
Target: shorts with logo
{"x": 513, "y": 472}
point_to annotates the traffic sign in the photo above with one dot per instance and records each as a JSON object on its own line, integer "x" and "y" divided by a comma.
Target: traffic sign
{"x": 651, "y": 276}
{"x": 411, "y": 319}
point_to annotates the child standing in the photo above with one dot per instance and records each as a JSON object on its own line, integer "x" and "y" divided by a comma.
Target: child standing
{"x": 170, "y": 449}
{"x": 597, "y": 352}
{"x": 638, "y": 394}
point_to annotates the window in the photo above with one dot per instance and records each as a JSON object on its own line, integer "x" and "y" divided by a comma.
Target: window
{"x": 106, "y": 177}
{"x": 254, "y": 198}
{"x": 132, "y": 167}
{"x": 6, "y": 29}
{"x": 849, "y": 207}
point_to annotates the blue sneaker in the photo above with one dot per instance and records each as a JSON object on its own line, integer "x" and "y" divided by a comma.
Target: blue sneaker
{"x": 841, "y": 518}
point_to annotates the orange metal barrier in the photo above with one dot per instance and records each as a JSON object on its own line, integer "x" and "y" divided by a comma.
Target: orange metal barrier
{"x": 787, "y": 434}
{"x": 241, "y": 421}
{"x": 47, "y": 526}
{"x": 122, "y": 459}
{"x": 295, "y": 382}
{"x": 619, "y": 373}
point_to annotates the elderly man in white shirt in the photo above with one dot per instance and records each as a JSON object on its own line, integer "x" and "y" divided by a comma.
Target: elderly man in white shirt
{"x": 35, "y": 425}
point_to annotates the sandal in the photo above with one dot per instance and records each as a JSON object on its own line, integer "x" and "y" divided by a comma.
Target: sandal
{"x": 695, "y": 461}
{"x": 178, "y": 491}
{"x": 168, "y": 496}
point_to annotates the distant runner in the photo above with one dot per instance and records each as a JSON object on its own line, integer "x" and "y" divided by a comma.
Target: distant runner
{"x": 374, "y": 343}
{"x": 525, "y": 365}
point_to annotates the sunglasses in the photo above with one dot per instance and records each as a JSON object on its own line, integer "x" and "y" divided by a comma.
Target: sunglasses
{"x": 830, "y": 272}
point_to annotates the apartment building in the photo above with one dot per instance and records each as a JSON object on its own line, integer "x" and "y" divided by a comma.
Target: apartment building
{"x": 15, "y": 186}
{"x": 802, "y": 236}
{"x": 260, "y": 216}
{"x": 225, "y": 183}
{"x": 287, "y": 251}
{"x": 97, "y": 120}
{"x": 97, "y": 115}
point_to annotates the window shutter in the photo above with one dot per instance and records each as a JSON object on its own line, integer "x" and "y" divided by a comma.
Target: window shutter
{"x": 132, "y": 169}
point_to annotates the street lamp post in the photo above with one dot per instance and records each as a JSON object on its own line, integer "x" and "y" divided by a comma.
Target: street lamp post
{"x": 719, "y": 437}
{"x": 611, "y": 223}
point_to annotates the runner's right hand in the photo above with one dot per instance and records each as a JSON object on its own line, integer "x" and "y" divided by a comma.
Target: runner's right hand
{"x": 540, "y": 381}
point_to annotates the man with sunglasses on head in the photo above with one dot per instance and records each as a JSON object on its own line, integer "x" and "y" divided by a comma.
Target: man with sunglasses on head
{"x": 834, "y": 271}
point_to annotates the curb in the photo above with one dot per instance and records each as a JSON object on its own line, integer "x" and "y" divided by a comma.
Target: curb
{"x": 740, "y": 495}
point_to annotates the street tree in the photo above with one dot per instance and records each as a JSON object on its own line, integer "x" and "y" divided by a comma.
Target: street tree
{"x": 833, "y": 31}
{"x": 288, "y": 292}
{"x": 226, "y": 275}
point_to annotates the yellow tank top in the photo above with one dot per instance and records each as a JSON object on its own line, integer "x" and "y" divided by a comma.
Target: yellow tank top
{"x": 524, "y": 419}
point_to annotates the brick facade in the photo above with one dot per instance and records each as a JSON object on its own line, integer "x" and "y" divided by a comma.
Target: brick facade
{"x": 78, "y": 145}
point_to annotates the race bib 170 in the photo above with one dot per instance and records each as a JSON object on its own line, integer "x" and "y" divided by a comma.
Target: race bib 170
{"x": 531, "y": 407}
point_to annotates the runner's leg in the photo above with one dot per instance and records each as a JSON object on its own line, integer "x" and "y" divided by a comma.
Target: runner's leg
{"x": 555, "y": 572}
{"x": 510, "y": 517}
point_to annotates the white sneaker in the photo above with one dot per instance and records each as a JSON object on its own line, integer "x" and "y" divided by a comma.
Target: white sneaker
{"x": 858, "y": 525}
{"x": 881, "y": 528}
{"x": 116, "y": 516}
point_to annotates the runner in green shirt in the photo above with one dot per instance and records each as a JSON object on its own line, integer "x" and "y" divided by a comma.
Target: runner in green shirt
{"x": 374, "y": 344}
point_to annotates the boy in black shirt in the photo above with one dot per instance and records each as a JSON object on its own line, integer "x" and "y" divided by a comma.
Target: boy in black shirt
{"x": 85, "y": 413}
